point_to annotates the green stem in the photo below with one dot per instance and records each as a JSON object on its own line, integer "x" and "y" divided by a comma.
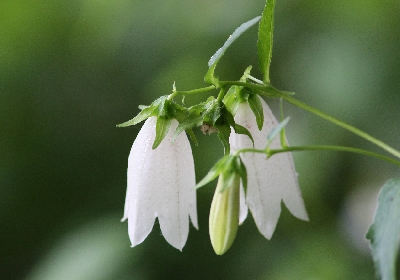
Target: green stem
{"x": 342, "y": 124}
{"x": 221, "y": 95}
{"x": 194, "y": 91}
{"x": 288, "y": 98}
{"x": 243, "y": 84}
{"x": 272, "y": 152}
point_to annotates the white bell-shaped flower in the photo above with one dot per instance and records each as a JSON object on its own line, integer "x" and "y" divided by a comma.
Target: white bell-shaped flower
{"x": 160, "y": 184}
{"x": 269, "y": 181}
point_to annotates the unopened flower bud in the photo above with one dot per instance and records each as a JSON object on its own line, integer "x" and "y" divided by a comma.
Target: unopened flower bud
{"x": 224, "y": 214}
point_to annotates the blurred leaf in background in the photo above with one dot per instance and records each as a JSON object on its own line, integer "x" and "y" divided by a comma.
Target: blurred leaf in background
{"x": 71, "y": 70}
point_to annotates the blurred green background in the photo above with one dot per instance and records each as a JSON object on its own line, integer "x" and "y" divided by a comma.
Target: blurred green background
{"x": 71, "y": 70}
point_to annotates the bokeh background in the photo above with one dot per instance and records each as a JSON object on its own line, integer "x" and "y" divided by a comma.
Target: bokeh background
{"x": 71, "y": 70}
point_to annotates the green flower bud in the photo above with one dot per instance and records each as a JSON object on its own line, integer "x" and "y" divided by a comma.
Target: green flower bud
{"x": 224, "y": 213}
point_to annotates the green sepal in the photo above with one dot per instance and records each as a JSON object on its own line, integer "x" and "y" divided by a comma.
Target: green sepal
{"x": 256, "y": 107}
{"x": 231, "y": 101}
{"x": 276, "y": 130}
{"x": 241, "y": 169}
{"x": 237, "y": 127}
{"x": 246, "y": 74}
{"x": 212, "y": 112}
{"x": 218, "y": 168}
{"x": 224, "y": 131}
{"x": 193, "y": 120}
{"x": 282, "y": 116}
{"x": 229, "y": 177}
{"x": 192, "y": 136}
{"x": 143, "y": 115}
{"x": 208, "y": 110}
{"x": 384, "y": 233}
{"x": 162, "y": 128}
{"x": 265, "y": 39}
{"x": 147, "y": 112}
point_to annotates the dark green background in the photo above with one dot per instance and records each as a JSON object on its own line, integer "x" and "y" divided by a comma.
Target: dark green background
{"x": 71, "y": 70}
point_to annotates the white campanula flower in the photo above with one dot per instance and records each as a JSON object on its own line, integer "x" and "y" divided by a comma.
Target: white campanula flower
{"x": 160, "y": 184}
{"x": 269, "y": 181}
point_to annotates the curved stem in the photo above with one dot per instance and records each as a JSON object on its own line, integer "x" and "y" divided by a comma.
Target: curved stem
{"x": 317, "y": 112}
{"x": 271, "y": 152}
{"x": 344, "y": 125}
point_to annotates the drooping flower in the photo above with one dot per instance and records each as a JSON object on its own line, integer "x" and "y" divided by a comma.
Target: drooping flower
{"x": 269, "y": 181}
{"x": 160, "y": 184}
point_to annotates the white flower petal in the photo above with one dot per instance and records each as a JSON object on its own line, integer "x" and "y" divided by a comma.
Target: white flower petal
{"x": 269, "y": 181}
{"x": 160, "y": 184}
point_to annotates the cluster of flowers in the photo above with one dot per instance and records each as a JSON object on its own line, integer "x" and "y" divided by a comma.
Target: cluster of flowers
{"x": 161, "y": 178}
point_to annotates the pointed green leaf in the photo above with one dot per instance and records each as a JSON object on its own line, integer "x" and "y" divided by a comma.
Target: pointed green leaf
{"x": 212, "y": 63}
{"x": 242, "y": 28}
{"x": 384, "y": 233}
{"x": 256, "y": 107}
{"x": 276, "y": 130}
{"x": 162, "y": 127}
{"x": 265, "y": 38}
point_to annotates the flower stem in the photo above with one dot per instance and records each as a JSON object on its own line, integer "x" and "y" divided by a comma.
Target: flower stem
{"x": 290, "y": 99}
{"x": 193, "y": 91}
{"x": 344, "y": 125}
{"x": 271, "y": 152}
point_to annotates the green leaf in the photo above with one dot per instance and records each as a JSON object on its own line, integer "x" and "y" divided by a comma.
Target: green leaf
{"x": 162, "y": 127}
{"x": 242, "y": 28}
{"x": 265, "y": 38}
{"x": 256, "y": 107}
{"x": 276, "y": 130}
{"x": 384, "y": 233}
{"x": 212, "y": 63}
